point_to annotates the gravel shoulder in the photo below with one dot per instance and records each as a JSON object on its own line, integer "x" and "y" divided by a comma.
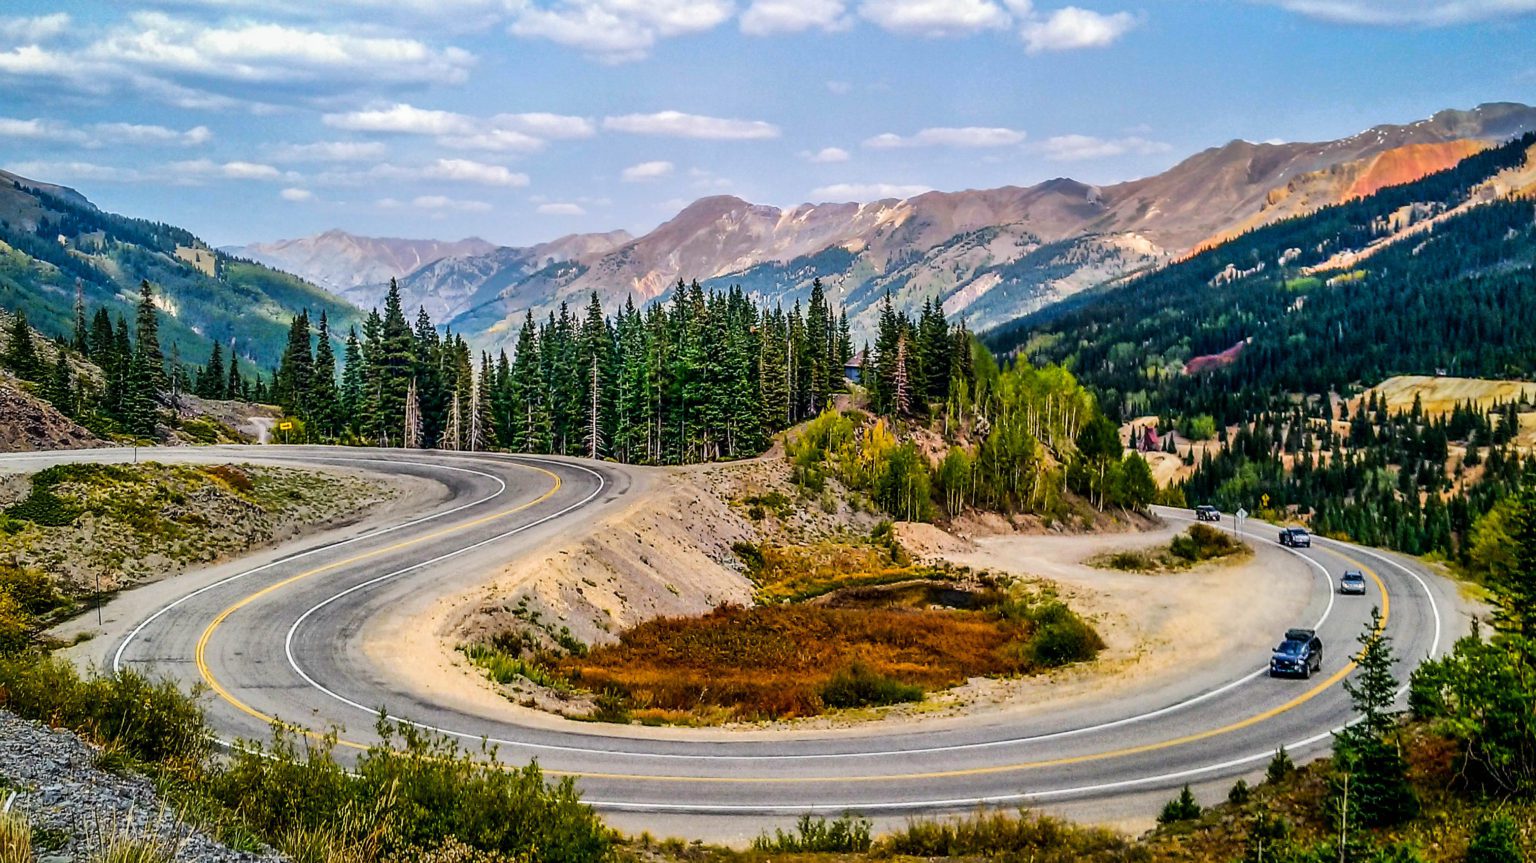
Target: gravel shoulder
{"x": 72, "y": 804}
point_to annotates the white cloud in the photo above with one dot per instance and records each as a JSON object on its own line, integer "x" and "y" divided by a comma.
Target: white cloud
{"x": 615, "y": 31}
{"x": 767, "y": 17}
{"x": 676, "y": 124}
{"x": 260, "y": 53}
{"x": 296, "y": 195}
{"x": 443, "y": 202}
{"x": 39, "y": 130}
{"x": 827, "y": 155}
{"x": 466, "y": 171}
{"x": 867, "y": 191}
{"x": 1071, "y": 28}
{"x": 550, "y": 127}
{"x": 101, "y": 134}
{"x": 1431, "y": 13}
{"x": 494, "y": 141}
{"x": 647, "y": 171}
{"x": 562, "y": 209}
{"x": 969, "y": 137}
{"x": 935, "y": 17}
{"x": 1076, "y": 148}
{"x": 523, "y": 133}
{"x": 35, "y": 29}
{"x": 65, "y": 172}
{"x": 403, "y": 119}
{"x": 330, "y": 151}
{"x": 236, "y": 170}
{"x": 136, "y": 133}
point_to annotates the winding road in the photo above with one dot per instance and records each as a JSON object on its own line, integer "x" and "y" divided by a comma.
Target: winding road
{"x": 285, "y": 634}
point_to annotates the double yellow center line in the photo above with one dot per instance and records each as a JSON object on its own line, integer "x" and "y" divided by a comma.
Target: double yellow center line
{"x": 223, "y": 693}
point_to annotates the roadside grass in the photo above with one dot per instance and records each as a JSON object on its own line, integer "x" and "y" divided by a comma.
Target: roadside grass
{"x": 415, "y": 797}
{"x": 793, "y": 660}
{"x": 796, "y": 573}
{"x": 1200, "y": 544}
{"x": 146, "y": 519}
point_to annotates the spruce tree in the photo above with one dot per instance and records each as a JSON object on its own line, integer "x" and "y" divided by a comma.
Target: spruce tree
{"x": 325, "y": 404}
{"x": 21, "y": 352}
{"x": 149, "y": 362}
{"x": 1368, "y": 751}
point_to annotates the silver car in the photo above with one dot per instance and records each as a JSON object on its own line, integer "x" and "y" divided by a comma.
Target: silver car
{"x": 1352, "y": 581}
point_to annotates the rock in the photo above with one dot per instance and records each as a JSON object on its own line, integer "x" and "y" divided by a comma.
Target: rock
{"x": 60, "y": 791}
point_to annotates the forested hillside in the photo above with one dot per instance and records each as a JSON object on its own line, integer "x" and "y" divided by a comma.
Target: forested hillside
{"x": 1264, "y": 342}
{"x": 54, "y": 243}
{"x": 1456, "y": 297}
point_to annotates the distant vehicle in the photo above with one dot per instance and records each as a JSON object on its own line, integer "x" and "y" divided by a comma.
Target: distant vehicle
{"x": 1352, "y": 581}
{"x": 1295, "y": 537}
{"x": 1206, "y": 512}
{"x": 1300, "y": 654}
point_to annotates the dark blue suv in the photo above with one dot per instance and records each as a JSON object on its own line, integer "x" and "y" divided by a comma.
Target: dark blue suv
{"x": 1300, "y": 654}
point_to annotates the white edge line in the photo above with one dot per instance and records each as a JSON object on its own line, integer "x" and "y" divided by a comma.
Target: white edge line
{"x": 117, "y": 657}
{"x": 808, "y": 756}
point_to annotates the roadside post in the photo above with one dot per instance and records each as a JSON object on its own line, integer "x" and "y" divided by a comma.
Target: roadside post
{"x": 1237, "y": 520}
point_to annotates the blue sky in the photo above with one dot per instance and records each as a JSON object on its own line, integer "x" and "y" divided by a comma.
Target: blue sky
{"x": 523, "y": 120}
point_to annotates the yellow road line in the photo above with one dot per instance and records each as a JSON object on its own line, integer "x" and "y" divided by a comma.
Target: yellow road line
{"x": 202, "y": 642}
{"x": 1386, "y": 611}
{"x": 1055, "y": 762}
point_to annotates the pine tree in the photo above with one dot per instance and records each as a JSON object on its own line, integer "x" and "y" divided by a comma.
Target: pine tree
{"x": 293, "y": 382}
{"x": 1368, "y": 752}
{"x": 235, "y": 387}
{"x": 350, "y": 395}
{"x": 21, "y": 353}
{"x": 325, "y": 400}
{"x": 82, "y": 339}
{"x": 149, "y": 361}
{"x": 59, "y": 389}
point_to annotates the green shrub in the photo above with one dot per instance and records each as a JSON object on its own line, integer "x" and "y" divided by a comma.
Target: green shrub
{"x": 751, "y": 556}
{"x": 858, "y": 685}
{"x": 1496, "y": 840}
{"x": 816, "y": 835}
{"x": 33, "y": 591}
{"x": 1181, "y": 808}
{"x": 1061, "y": 637}
{"x": 1279, "y": 767}
{"x": 1017, "y": 836}
{"x": 411, "y": 794}
{"x": 150, "y": 721}
{"x": 1239, "y": 793}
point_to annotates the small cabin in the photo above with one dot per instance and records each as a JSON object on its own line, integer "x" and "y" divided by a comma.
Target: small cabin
{"x": 853, "y": 370}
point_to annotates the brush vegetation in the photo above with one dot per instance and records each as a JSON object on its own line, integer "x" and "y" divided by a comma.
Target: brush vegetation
{"x": 1200, "y": 544}
{"x": 866, "y": 646}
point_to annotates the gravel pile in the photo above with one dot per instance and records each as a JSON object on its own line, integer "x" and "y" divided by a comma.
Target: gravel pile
{"x": 74, "y": 806}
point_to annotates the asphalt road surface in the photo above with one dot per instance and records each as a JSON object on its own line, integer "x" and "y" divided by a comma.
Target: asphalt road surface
{"x": 280, "y": 634}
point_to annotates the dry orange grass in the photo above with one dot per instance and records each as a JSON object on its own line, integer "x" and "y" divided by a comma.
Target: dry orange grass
{"x": 770, "y": 662}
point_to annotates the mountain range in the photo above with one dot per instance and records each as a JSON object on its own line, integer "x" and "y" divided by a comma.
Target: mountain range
{"x": 54, "y": 243}
{"x": 989, "y": 256}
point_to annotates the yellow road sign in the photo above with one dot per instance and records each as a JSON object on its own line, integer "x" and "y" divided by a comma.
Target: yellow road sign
{"x": 285, "y": 426}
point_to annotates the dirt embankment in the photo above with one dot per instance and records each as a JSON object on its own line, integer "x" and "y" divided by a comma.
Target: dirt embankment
{"x": 32, "y": 424}
{"x": 668, "y": 554}
{"x": 116, "y": 525}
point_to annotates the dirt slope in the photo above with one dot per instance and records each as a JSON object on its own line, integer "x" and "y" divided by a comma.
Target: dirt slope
{"x": 33, "y": 424}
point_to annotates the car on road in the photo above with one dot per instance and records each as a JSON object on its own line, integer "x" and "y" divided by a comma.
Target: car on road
{"x": 1206, "y": 512}
{"x": 1295, "y": 537}
{"x": 1352, "y": 581}
{"x": 1300, "y": 654}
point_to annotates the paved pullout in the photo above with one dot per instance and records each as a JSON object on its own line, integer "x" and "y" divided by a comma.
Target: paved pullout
{"x": 282, "y": 634}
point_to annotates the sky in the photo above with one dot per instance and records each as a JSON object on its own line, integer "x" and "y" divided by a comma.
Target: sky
{"x": 520, "y": 121}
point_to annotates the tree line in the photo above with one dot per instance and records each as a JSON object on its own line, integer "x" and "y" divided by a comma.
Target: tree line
{"x": 706, "y": 376}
